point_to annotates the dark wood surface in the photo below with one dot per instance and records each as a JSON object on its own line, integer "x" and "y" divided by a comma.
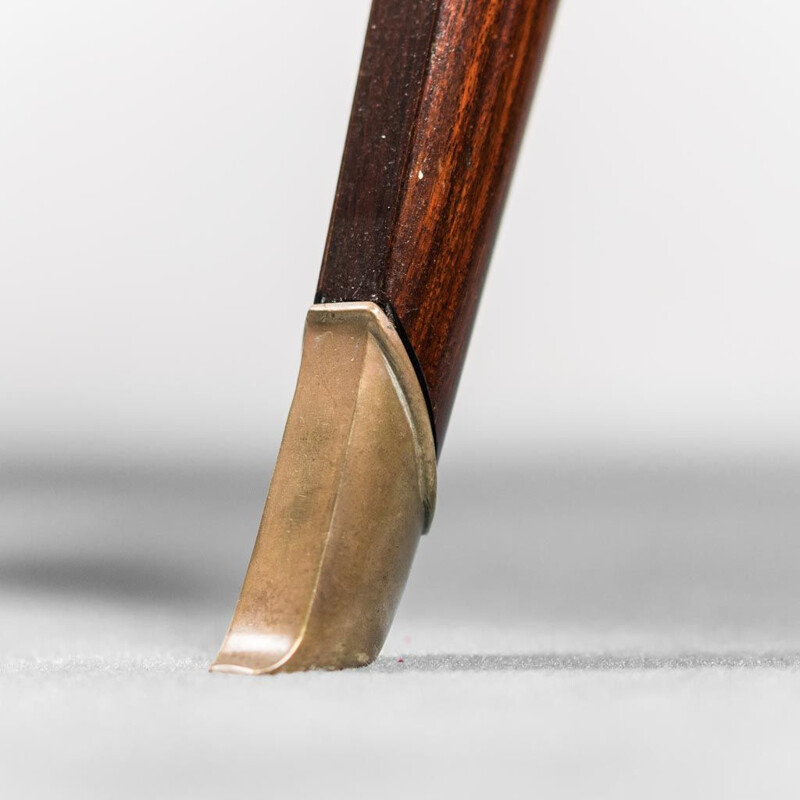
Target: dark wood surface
{"x": 440, "y": 104}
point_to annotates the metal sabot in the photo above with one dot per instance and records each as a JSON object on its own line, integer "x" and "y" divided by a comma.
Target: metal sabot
{"x": 353, "y": 489}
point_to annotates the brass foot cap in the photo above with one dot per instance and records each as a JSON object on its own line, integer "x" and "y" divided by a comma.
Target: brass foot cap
{"x": 353, "y": 489}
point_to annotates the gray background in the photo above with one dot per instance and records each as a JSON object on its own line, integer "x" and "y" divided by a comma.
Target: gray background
{"x": 607, "y": 604}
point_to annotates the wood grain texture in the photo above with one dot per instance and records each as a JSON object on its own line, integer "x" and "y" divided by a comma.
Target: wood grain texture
{"x": 440, "y": 106}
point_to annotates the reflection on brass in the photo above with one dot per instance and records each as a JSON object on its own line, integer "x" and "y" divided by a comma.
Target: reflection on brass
{"x": 353, "y": 489}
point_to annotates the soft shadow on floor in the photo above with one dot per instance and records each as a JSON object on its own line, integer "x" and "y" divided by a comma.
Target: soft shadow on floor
{"x": 103, "y": 580}
{"x": 655, "y": 545}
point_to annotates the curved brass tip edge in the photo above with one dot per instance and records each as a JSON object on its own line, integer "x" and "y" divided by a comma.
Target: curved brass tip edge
{"x": 353, "y": 489}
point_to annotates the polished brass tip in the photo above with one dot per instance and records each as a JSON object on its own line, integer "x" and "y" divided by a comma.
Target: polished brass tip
{"x": 353, "y": 488}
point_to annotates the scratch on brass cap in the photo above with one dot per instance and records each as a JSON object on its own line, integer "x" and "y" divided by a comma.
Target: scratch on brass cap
{"x": 353, "y": 488}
